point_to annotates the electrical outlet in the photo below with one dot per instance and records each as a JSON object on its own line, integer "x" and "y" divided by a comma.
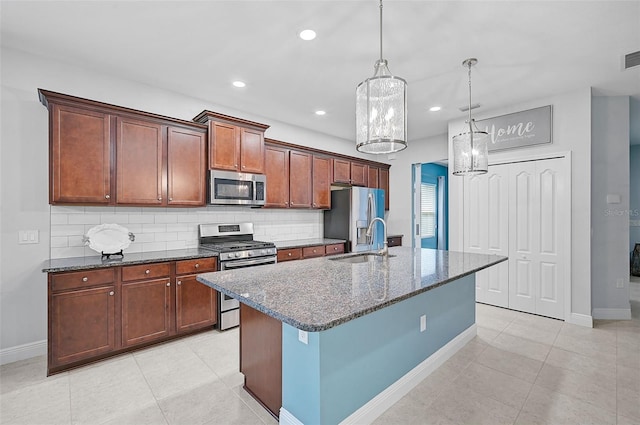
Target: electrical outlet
{"x": 620, "y": 283}
{"x": 303, "y": 336}
{"x": 423, "y": 323}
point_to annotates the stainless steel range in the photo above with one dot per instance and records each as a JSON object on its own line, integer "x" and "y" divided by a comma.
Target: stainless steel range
{"x": 236, "y": 249}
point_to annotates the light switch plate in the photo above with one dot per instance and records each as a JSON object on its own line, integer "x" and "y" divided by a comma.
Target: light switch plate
{"x": 28, "y": 236}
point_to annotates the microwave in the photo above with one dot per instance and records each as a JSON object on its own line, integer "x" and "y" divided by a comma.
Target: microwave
{"x": 232, "y": 188}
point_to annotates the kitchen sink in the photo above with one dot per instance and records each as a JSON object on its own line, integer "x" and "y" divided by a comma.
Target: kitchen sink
{"x": 362, "y": 257}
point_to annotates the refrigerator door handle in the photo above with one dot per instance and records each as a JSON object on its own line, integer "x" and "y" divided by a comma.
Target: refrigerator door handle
{"x": 370, "y": 213}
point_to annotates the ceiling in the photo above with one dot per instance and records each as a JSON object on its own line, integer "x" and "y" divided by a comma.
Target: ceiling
{"x": 526, "y": 50}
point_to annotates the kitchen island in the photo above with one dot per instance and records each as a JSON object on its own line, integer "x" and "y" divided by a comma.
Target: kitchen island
{"x": 346, "y": 330}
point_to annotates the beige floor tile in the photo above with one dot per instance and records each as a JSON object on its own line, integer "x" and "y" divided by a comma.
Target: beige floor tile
{"x": 44, "y": 402}
{"x": 219, "y": 350}
{"x": 462, "y": 405}
{"x": 532, "y": 332}
{"x": 467, "y": 354}
{"x": 23, "y": 373}
{"x": 629, "y": 336}
{"x": 497, "y": 385}
{"x": 623, "y": 420}
{"x": 106, "y": 391}
{"x": 510, "y": 363}
{"x": 409, "y": 412}
{"x": 593, "y": 366}
{"x": 602, "y": 335}
{"x": 256, "y": 407}
{"x": 546, "y": 323}
{"x": 597, "y": 390}
{"x": 548, "y": 407}
{"x": 209, "y": 403}
{"x": 628, "y": 355}
{"x": 496, "y": 323}
{"x": 144, "y": 415}
{"x": 628, "y": 403}
{"x": 605, "y": 351}
{"x": 486, "y": 334}
{"x": 173, "y": 369}
{"x": 522, "y": 346}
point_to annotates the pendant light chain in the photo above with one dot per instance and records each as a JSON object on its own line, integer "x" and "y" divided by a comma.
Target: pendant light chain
{"x": 380, "y": 30}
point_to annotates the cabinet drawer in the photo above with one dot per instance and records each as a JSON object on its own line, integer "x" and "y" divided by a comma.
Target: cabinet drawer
{"x": 145, "y": 271}
{"x": 313, "y": 251}
{"x": 64, "y": 281}
{"x": 198, "y": 265}
{"x": 337, "y": 248}
{"x": 289, "y": 254}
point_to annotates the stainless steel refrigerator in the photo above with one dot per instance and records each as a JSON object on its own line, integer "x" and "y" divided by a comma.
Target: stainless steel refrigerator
{"x": 351, "y": 212}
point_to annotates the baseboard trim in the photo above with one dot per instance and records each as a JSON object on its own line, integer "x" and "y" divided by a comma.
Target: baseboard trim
{"x": 612, "y": 313}
{"x": 580, "y": 320}
{"x": 22, "y": 352}
{"x": 286, "y": 418}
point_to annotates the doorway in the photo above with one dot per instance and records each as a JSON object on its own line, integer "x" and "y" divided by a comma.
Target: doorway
{"x": 430, "y": 202}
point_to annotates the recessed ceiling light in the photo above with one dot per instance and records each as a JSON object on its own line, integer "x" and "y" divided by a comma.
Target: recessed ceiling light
{"x": 307, "y": 35}
{"x": 435, "y": 108}
{"x": 239, "y": 84}
{"x": 321, "y": 112}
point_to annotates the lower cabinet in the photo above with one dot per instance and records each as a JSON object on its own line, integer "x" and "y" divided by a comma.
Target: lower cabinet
{"x": 102, "y": 312}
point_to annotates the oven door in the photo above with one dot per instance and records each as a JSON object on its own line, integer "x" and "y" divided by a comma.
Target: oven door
{"x": 239, "y": 264}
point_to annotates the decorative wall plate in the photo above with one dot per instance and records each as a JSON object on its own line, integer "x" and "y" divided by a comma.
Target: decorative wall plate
{"x": 108, "y": 238}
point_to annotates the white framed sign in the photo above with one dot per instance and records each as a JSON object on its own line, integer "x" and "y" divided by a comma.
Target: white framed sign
{"x": 519, "y": 129}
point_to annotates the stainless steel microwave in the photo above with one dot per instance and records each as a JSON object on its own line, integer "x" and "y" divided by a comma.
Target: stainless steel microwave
{"x": 232, "y": 188}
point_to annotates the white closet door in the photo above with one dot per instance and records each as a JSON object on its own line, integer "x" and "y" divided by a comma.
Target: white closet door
{"x": 486, "y": 229}
{"x": 538, "y": 200}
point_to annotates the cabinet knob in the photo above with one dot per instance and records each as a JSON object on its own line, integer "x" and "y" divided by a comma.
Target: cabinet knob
{"x": 107, "y": 196}
{"x": 335, "y": 248}
{"x": 159, "y": 198}
{"x": 179, "y": 282}
{"x": 314, "y": 204}
{"x": 111, "y": 293}
{"x": 171, "y": 199}
{"x": 168, "y": 283}
{"x": 244, "y": 166}
{"x": 197, "y": 265}
{"x": 84, "y": 279}
{"x": 147, "y": 271}
{"x": 289, "y": 254}
{"x": 314, "y": 250}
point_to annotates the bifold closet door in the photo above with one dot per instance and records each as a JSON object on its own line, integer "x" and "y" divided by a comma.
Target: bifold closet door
{"x": 538, "y": 199}
{"x": 486, "y": 230}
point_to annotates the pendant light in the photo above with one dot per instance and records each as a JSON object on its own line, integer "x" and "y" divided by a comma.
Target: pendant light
{"x": 381, "y": 110}
{"x": 470, "y": 148}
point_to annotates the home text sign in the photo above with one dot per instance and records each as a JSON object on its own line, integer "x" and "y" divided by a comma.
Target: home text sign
{"x": 519, "y": 129}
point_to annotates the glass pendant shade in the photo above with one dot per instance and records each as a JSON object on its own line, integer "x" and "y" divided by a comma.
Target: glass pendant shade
{"x": 381, "y": 112}
{"x": 471, "y": 151}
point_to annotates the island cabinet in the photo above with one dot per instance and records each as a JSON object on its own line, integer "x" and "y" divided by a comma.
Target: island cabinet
{"x": 235, "y": 144}
{"x": 102, "y": 154}
{"x": 350, "y": 172}
{"x": 102, "y": 312}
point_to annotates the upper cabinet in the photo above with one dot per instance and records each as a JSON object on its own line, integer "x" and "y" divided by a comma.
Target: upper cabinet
{"x": 321, "y": 182}
{"x": 350, "y": 172}
{"x": 103, "y": 154}
{"x": 234, "y": 144}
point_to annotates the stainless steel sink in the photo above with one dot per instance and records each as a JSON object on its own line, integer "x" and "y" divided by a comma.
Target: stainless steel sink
{"x": 362, "y": 257}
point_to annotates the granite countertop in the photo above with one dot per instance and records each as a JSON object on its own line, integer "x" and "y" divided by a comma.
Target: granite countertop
{"x": 320, "y": 293}
{"x": 301, "y": 243}
{"x": 96, "y": 262}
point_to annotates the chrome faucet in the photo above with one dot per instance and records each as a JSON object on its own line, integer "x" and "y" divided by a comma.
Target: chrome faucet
{"x": 384, "y": 251}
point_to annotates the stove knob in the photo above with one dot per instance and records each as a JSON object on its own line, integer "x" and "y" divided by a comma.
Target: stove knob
{"x": 265, "y": 251}
{"x": 249, "y": 254}
{"x": 232, "y": 254}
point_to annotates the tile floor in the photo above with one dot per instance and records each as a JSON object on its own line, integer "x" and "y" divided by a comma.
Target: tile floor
{"x": 520, "y": 369}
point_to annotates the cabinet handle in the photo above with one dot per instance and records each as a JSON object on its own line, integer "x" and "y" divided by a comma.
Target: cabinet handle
{"x": 85, "y": 279}
{"x": 107, "y": 196}
{"x": 111, "y": 293}
{"x": 197, "y": 265}
{"x": 168, "y": 283}
{"x": 147, "y": 271}
{"x": 179, "y": 282}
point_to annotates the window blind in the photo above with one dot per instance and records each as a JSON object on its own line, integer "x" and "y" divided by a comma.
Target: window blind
{"x": 428, "y": 202}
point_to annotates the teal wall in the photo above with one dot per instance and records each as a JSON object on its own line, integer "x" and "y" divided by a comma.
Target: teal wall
{"x": 344, "y": 367}
{"x": 634, "y": 195}
{"x": 429, "y": 174}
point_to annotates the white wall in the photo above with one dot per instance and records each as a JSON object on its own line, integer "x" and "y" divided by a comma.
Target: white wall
{"x": 571, "y": 132}
{"x": 610, "y": 221}
{"x": 24, "y": 178}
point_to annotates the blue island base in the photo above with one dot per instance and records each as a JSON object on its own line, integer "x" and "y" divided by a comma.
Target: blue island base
{"x": 351, "y": 373}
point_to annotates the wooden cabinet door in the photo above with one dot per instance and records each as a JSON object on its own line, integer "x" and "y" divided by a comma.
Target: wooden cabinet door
{"x": 186, "y": 167}
{"x": 276, "y": 169}
{"x": 146, "y": 311}
{"x": 359, "y": 174}
{"x": 139, "y": 163}
{"x": 251, "y": 151}
{"x": 373, "y": 177}
{"x": 383, "y": 183}
{"x": 341, "y": 171}
{"x": 195, "y": 304}
{"x": 81, "y": 325}
{"x": 321, "y": 182}
{"x": 299, "y": 179}
{"x": 224, "y": 147}
{"x": 80, "y": 168}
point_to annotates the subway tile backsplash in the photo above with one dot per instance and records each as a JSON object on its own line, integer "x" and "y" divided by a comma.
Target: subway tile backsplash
{"x": 159, "y": 229}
